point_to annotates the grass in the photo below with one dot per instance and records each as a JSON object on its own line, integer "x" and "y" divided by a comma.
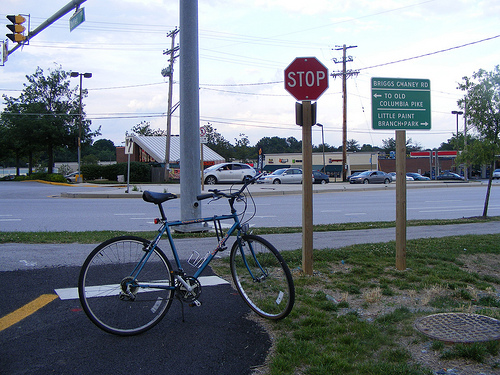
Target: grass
{"x": 100, "y": 236}
{"x": 355, "y": 314}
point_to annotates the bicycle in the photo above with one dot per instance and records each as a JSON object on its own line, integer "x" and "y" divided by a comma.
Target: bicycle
{"x": 127, "y": 284}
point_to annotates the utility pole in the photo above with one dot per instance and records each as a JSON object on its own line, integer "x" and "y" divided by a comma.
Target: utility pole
{"x": 345, "y": 74}
{"x": 169, "y": 72}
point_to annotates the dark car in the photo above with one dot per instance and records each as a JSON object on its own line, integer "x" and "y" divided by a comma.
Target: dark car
{"x": 417, "y": 177}
{"x": 449, "y": 176}
{"x": 371, "y": 177}
{"x": 320, "y": 178}
{"x": 354, "y": 174}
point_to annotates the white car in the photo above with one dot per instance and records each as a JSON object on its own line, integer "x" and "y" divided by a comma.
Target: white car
{"x": 496, "y": 174}
{"x": 227, "y": 172}
{"x": 283, "y": 176}
{"x": 393, "y": 177}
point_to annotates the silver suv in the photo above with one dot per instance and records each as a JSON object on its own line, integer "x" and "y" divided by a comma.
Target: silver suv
{"x": 227, "y": 172}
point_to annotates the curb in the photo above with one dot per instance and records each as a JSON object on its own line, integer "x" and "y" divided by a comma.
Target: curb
{"x": 263, "y": 190}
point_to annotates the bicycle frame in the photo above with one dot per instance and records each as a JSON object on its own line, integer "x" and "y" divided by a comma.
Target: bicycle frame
{"x": 165, "y": 228}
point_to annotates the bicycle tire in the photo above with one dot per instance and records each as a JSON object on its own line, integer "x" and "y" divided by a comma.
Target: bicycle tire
{"x": 102, "y": 280}
{"x": 266, "y": 285}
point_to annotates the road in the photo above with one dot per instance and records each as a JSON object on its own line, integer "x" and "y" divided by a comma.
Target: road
{"x": 31, "y": 206}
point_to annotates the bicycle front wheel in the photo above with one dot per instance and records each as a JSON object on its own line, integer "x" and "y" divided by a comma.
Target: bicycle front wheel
{"x": 113, "y": 299}
{"x": 262, "y": 277}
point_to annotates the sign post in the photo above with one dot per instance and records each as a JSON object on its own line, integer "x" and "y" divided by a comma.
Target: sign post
{"x": 129, "y": 150}
{"x": 401, "y": 104}
{"x": 306, "y": 79}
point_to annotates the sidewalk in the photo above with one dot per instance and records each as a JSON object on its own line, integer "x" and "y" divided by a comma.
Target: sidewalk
{"x": 17, "y": 256}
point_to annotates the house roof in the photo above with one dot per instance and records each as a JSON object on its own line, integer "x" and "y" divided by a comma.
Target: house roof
{"x": 155, "y": 146}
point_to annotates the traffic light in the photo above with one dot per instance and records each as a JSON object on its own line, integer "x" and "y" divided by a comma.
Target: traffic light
{"x": 17, "y": 28}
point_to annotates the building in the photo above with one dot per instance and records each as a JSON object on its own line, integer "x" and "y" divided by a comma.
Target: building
{"x": 151, "y": 149}
{"x": 330, "y": 162}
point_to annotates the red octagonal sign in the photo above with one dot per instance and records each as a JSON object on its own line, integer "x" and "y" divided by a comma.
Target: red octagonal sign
{"x": 306, "y": 78}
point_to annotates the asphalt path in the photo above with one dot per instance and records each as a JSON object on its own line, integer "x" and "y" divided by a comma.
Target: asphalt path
{"x": 215, "y": 338}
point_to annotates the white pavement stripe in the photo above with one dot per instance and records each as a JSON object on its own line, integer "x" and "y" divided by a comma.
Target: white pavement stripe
{"x": 110, "y": 290}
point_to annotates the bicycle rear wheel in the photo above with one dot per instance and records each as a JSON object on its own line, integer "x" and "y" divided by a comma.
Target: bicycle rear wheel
{"x": 112, "y": 299}
{"x": 262, "y": 277}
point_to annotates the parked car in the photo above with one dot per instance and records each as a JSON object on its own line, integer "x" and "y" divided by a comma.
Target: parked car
{"x": 228, "y": 172}
{"x": 496, "y": 174}
{"x": 354, "y": 174}
{"x": 283, "y": 176}
{"x": 371, "y": 177}
{"x": 320, "y": 178}
{"x": 417, "y": 176}
{"x": 447, "y": 175}
{"x": 71, "y": 177}
{"x": 393, "y": 176}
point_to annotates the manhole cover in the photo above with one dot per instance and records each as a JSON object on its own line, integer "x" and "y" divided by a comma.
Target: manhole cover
{"x": 459, "y": 327}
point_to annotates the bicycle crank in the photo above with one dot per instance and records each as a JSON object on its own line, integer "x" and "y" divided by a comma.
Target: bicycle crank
{"x": 188, "y": 290}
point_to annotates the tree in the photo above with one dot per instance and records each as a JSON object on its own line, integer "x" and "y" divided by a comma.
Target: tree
{"x": 45, "y": 115}
{"x": 389, "y": 145}
{"x": 481, "y": 105}
{"x": 277, "y": 145}
{"x": 144, "y": 128}
{"x": 104, "y": 149}
{"x": 218, "y": 143}
{"x": 242, "y": 149}
{"x": 352, "y": 145}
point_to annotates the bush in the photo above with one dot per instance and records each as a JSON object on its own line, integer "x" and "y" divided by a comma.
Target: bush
{"x": 52, "y": 177}
{"x": 139, "y": 172}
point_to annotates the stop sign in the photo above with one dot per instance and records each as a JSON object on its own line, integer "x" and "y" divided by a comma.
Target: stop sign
{"x": 306, "y": 78}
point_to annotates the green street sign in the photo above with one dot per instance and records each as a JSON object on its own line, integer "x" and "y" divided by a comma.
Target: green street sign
{"x": 401, "y": 104}
{"x": 76, "y": 19}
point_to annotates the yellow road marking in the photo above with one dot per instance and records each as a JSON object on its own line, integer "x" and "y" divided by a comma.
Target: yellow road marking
{"x": 25, "y": 311}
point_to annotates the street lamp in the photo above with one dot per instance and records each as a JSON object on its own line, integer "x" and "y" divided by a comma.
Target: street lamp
{"x": 323, "y": 141}
{"x": 86, "y": 75}
{"x": 457, "y": 113}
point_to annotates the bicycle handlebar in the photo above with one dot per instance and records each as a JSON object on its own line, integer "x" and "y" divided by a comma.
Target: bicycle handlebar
{"x": 214, "y": 193}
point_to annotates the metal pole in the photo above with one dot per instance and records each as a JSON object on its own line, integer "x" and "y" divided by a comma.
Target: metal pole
{"x": 190, "y": 111}
{"x": 80, "y": 134}
{"x": 323, "y": 141}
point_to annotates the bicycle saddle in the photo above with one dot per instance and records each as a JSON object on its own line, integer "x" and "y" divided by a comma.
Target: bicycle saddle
{"x": 157, "y": 198}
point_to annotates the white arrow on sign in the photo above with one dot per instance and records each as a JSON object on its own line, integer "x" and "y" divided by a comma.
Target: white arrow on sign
{"x": 377, "y": 96}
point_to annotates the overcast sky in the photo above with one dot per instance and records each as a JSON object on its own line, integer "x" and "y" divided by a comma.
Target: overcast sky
{"x": 245, "y": 47}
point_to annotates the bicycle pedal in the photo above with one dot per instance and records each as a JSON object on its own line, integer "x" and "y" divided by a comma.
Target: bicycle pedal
{"x": 195, "y": 303}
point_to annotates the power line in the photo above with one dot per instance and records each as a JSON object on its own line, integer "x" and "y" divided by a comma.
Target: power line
{"x": 432, "y": 53}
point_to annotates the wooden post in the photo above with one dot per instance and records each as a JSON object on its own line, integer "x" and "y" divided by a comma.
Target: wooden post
{"x": 307, "y": 207}
{"x": 401, "y": 199}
